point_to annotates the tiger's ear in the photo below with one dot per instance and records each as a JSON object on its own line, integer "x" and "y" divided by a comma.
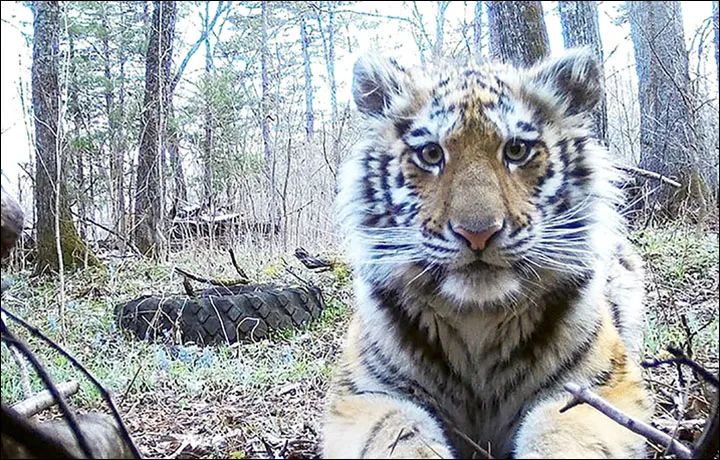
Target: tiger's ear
{"x": 572, "y": 81}
{"x": 377, "y": 83}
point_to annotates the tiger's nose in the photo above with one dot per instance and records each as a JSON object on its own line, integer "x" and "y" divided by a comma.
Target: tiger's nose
{"x": 478, "y": 238}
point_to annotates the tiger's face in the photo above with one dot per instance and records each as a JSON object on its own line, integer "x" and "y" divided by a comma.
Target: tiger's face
{"x": 480, "y": 176}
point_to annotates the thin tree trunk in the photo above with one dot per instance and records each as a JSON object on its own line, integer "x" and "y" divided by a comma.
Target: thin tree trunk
{"x": 329, "y": 48}
{"x": 265, "y": 109}
{"x": 208, "y": 139}
{"x": 668, "y": 136}
{"x": 309, "y": 115}
{"x": 116, "y": 192}
{"x": 477, "y": 30}
{"x": 331, "y": 62}
{"x": 716, "y": 27}
{"x": 118, "y": 153}
{"x": 442, "y": 7}
{"x": 77, "y": 154}
{"x": 517, "y": 31}
{"x": 581, "y": 27}
{"x": 173, "y": 149}
{"x": 50, "y": 195}
{"x": 148, "y": 196}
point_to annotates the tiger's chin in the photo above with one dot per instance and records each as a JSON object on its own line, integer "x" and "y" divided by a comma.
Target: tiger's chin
{"x": 479, "y": 285}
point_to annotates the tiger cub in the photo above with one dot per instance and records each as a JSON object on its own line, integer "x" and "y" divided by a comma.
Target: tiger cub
{"x": 491, "y": 268}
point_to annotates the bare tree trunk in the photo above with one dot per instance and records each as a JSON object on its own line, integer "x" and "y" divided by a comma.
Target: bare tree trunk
{"x": 580, "y": 27}
{"x": 477, "y": 30}
{"x": 77, "y": 154}
{"x": 117, "y": 197}
{"x": 148, "y": 196}
{"x": 173, "y": 149}
{"x": 716, "y": 27}
{"x": 208, "y": 139}
{"x": 517, "y": 31}
{"x": 329, "y": 49}
{"x": 50, "y": 194}
{"x": 264, "y": 105}
{"x": 668, "y": 136}
{"x": 118, "y": 149}
{"x": 309, "y": 115}
{"x": 331, "y": 62}
{"x": 421, "y": 36}
{"x": 442, "y": 7}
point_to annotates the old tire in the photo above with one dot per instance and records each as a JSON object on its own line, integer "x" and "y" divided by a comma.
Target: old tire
{"x": 245, "y": 314}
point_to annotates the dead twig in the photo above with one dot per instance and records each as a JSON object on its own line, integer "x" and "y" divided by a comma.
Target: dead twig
{"x": 268, "y": 449}
{"x": 44, "y": 399}
{"x": 213, "y": 281}
{"x": 680, "y": 358}
{"x": 473, "y": 444}
{"x": 650, "y": 174}
{"x": 188, "y": 287}
{"x": 584, "y": 395}
{"x": 239, "y": 270}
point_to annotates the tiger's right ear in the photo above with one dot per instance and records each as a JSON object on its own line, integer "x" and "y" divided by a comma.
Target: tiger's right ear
{"x": 377, "y": 83}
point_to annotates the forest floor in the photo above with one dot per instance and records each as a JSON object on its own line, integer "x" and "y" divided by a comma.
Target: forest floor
{"x": 265, "y": 399}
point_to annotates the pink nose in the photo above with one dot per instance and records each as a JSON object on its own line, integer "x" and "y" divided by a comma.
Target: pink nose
{"x": 478, "y": 239}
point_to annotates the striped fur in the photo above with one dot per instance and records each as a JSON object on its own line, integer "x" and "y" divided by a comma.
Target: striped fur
{"x": 446, "y": 339}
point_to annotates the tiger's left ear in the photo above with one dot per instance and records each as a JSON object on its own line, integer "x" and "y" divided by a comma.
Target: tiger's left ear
{"x": 572, "y": 80}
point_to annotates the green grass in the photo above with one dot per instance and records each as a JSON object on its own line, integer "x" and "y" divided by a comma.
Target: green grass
{"x": 681, "y": 278}
{"x": 92, "y": 337}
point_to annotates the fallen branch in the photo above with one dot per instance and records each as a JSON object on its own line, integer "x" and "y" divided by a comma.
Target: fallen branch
{"x": 650, "y": 174}
{"x": 584, "y": 395}
{"x": 44, "y": 400}
{"x": 312, "y": 262}
{"x": 213, "y": 281}
{"x": 122, "y": 429}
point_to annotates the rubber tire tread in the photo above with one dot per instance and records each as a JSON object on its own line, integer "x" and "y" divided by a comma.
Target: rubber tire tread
{"x": 248, "y": 314}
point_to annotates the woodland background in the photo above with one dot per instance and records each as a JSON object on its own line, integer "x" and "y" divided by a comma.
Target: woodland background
{"x": 163, "y": 133}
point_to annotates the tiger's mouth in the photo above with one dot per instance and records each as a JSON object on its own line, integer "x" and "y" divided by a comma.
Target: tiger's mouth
{"x": 479, "y": 264}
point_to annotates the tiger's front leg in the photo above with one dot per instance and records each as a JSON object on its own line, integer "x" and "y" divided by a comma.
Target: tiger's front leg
{"x": 582, "y": 431}
{"x": 376, "y": 425}
{"x": 365, "y": 419}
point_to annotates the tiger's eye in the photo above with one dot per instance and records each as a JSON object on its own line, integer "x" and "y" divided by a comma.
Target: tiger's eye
{"x": 431, "y": 154}
{"x": 516, "y": 150}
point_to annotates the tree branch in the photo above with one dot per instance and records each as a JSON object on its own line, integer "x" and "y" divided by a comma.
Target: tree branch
{"x": 650, "y": 174}
{"x": 43, "y": 400}
{"x": 584, "y": 395}
{"x": 222, "y": 7}
{"x": 213, "y": 281}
